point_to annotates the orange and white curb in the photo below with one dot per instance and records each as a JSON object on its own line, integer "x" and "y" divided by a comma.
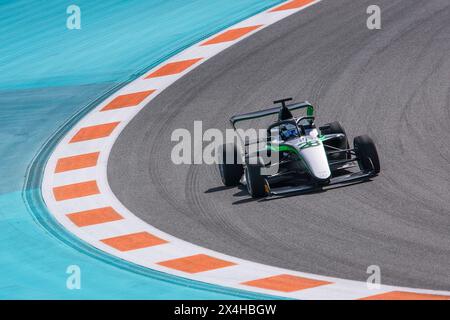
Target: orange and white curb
{"x": 76, "y": 191}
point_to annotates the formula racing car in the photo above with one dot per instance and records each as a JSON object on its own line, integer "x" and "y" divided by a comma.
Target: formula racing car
{"x": 295, "y": 155}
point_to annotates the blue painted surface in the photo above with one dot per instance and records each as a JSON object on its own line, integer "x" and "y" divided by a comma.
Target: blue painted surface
{"x": 48, "y": 73}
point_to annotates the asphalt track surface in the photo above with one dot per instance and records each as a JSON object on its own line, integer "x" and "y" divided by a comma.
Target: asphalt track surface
{"x": 392, "y": 84}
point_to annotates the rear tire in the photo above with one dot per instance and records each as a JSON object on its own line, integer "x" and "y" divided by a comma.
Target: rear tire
{"x": 333, "y": 128}
{"x": 257, "y": 185}
{"x": 230, "y": 172}
{"x": 367, "y": 154}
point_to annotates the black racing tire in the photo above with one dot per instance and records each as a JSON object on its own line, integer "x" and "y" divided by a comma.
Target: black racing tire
{"x": 257, "y": 185}
{"x": 333, "y": 128}
{"x": 367, "y": 154}
{"x": 230, "y": 171}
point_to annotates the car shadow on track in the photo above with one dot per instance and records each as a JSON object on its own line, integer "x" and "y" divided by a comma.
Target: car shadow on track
{"x": 218, "y": 189}
{"x": 241, "y": 193}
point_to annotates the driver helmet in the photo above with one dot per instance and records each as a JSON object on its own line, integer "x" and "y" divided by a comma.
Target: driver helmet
{"x": 288, "y": 131}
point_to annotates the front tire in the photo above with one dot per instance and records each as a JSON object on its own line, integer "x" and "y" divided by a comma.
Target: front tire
{"x": 367, "y": 154}
{"x": 257, "y": 185}
{"x": 230, "y": 168}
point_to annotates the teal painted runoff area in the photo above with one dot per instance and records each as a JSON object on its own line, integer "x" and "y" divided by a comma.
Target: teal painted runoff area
{"x": 48, "y": 74}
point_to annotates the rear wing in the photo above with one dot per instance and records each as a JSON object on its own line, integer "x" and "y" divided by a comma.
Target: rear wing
{"x": 271, "y": 111}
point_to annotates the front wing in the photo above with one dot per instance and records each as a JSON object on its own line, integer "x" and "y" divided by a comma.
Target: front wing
{"x": 348, "y": 178}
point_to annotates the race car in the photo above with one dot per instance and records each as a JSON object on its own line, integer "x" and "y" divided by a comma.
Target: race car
{"x": 298, "y": 156}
